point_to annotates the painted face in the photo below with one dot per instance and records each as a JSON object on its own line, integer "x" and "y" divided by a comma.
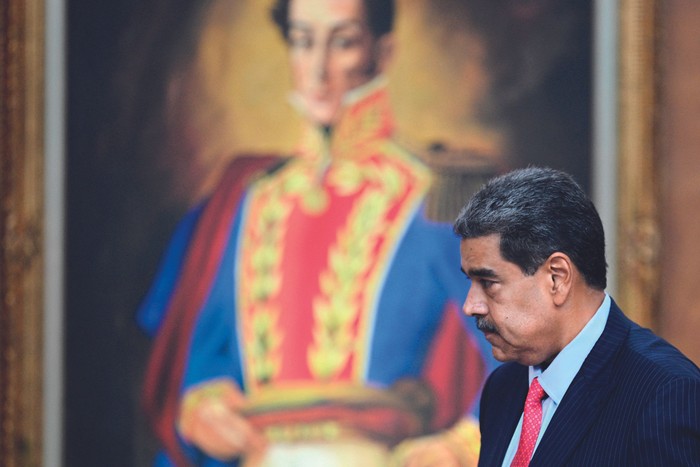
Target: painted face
{"x": 332, "y": 52}
{"x": 514, "y": 311}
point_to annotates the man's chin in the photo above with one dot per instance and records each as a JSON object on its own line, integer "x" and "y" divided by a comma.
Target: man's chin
{"x": 493, "y": 338}
{"x": 322, "y": 114}
{"x": 500, "y": 356}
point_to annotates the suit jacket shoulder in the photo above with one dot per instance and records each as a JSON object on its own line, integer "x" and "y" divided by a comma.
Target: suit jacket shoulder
{"x": 635, "y": 401}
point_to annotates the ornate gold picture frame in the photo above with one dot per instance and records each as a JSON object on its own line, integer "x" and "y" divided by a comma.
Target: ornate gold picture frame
{"x": 22, "y": 191}
{"x": 637, "y": 186}
{"x": 21, "y": 230}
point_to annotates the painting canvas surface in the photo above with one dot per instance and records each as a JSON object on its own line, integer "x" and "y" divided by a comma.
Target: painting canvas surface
{"x": 164, "y": 93}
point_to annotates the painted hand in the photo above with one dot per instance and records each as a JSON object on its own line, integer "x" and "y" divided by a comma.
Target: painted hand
{"x": 210, "y": 419}
{"x": 456, "y": 447}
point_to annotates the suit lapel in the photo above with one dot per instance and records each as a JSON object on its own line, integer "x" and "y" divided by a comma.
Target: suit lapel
{"x": 509, "y": 401}
{"x": 584, "y": 399}
{"x": 513, "y": 410}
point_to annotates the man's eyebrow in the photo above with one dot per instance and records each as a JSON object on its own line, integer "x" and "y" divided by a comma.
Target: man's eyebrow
{"x": 348, "y": 24}
{"x": 480, "y": 272}
{"x": 344, "y": 24}
{"x": 299, "y": 24}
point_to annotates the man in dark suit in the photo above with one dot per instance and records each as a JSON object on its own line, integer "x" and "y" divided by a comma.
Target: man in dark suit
{"x": 583, "y": 384}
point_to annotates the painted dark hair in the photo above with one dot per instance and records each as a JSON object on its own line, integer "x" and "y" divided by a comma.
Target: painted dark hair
{"x": 536, "y": 212}
{"x": 380, "y": 16}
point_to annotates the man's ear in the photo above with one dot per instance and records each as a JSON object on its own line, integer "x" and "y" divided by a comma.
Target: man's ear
{"x": 384, "y": 52}
{"x": 560, "y": 269}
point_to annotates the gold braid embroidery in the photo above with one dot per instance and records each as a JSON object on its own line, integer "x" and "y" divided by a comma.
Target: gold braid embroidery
{"x": 338, "y": 305}
{"x": 272, "y": 200}
{"x": 263, "y": 239}
{"x": 335, "y": 309}
{"x": 350, "y": 258}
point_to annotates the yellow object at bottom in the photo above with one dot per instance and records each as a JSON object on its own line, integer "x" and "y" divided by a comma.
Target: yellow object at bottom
{"x": 339, "y": 453}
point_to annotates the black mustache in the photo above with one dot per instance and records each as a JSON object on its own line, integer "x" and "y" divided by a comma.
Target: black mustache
{"x": 484, "y": 325}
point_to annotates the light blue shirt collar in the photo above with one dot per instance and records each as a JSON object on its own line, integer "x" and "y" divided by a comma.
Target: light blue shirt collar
{"x": 555, "y": 380}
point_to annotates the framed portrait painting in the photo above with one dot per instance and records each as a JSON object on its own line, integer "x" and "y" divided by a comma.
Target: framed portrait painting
{"x": 161, "y": 95}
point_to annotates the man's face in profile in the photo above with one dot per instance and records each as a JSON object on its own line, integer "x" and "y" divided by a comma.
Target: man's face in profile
{"x": 332, "y": 51}
{"x": 514, "y": 310}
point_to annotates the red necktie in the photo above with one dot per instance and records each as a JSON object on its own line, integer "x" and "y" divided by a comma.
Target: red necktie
{"x": 532, "y": 421}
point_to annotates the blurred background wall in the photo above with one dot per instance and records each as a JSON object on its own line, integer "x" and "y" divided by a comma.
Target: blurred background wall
{"x": 677, "y": 159}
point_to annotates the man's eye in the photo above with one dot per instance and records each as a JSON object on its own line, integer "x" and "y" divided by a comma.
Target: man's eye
{"x": 486, "y": 284}
{"x": 343, "y": 42}
{"x": 300, "y": 41}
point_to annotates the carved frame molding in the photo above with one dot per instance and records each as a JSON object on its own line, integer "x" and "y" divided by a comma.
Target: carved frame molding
{"x": 638, "y": 188}
{"x": 21, "y": 230}
{"x": 22, "y": 192}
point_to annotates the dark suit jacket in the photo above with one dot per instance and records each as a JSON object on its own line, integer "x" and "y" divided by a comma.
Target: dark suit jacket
{"x": 635, "y": 401}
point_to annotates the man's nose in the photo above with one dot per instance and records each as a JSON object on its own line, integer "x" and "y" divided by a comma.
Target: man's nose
{"x": 473, "y": 304}
{"x": 319, "y": 65}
